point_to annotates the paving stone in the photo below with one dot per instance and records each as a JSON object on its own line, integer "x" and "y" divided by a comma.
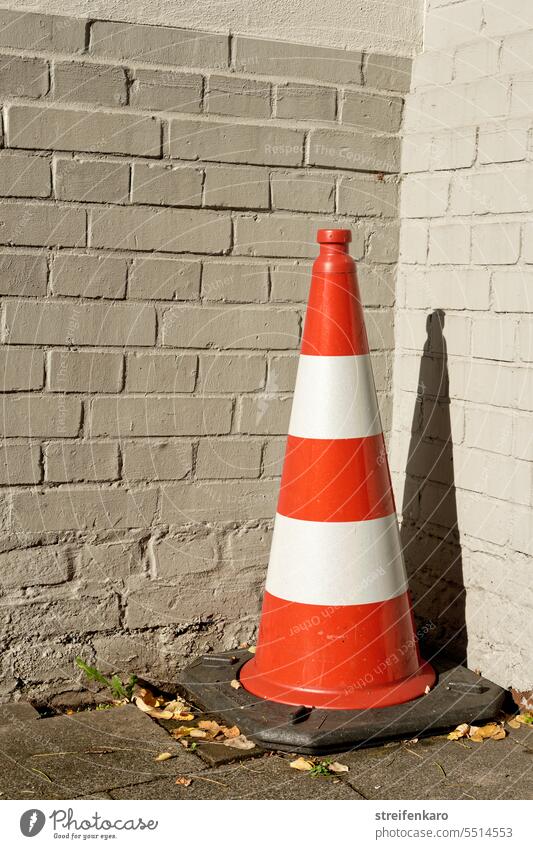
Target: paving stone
{"x": 135, "y": 739}
{"x": 268, "y": 778}
{"x": 15, "y": 713}
{"x": 437, "y": 768}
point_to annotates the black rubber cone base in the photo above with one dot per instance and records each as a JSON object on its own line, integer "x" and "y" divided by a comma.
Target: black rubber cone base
{"x": 458, "y": 696}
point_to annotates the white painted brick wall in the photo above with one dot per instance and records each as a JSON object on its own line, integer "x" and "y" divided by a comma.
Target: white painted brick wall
{"x": 463, "y": 467}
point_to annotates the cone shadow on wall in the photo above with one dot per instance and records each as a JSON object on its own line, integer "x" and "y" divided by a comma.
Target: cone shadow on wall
{"x": 430, "y": 532}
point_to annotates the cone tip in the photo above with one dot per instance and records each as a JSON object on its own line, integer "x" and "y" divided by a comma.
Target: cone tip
{"x": 334, "y": 236}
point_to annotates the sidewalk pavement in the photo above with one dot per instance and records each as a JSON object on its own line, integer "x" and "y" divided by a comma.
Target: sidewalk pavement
{"x": 110, "y": 754}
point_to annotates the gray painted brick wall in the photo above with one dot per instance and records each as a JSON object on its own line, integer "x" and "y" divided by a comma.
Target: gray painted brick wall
{"x": 160, "y": 195}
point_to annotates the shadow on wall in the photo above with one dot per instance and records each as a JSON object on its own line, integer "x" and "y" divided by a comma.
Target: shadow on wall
{"x": 430, "y": 533}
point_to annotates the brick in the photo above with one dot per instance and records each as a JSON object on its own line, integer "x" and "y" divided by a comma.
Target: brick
{"x": 23, "y": 274}
{"x": 165, "y": 279}
{"x": 63, "y": 615}
{"x": 290, "y": 282}
{"x": 186, "y": 555}
{"x": 392, "y": 73}
{"x": 431, "y": 68}
{"x": 308, "y": 191}
{"x": 84, "y": 509}
{"x": 470, "y": 381}
{"x": 237, "y": 188}
{"x": 78, "y": 82}
{"x": 230, "y": 501}
{"x": 280, "y": 235}
{"x": 377, "y": 284}
{"x": 379, "y": 330}
{"x": 263, "y": 414}
{"x": 235, "y": 282}
{"x": 516, "y": 53}
{"x": 230, "y": 327}
{"x": 38, "y": 415}
{"x": 503, "y": 142}
{"x": 383, "y": 245}
{"x": 237, "y": 96}
{"x": 23, "y": 77}
{"x": 111, "y": 561}
{"x": 523, "y": 397}
{"x": 450, "y": 26}
{"x": 65, "y": 323}
{"x": 453, "y": 288}
{"x": 42, "y": 225}
{"x": 522, "y": 95}
{"x": 488, "y": 429}
{"x": 280, "y": 58}
{"x": 240, "y": 458}
{"x": 513, "y": 291}
{"x": 354, "y": 151}
{"x": 20, "y": 369}
{"x": 225, "y": 142}
{"x": 161, "y": 372}
{"x": 367, "y": 195}
{"x": 479, "y": 59}
{"x": 282, "y": 373}
{"x": 522, "y": 531}
{"x": 424, "y": 196}
{"x": 492, "y": 474}
{"x": 494, "y": 338}
{"x": 77, "y": 462}
{"x": 449, "y": 243}
{"x": 525, "y": 339}
{"x": 24, "y": 176}
{"x": 24, "y": 31}
{"x": 414, "y": 237}
{"x": 83, "y": 130}
{"x": 168, "y": 91}
{"x": 522, "y": 436}
{"x": 527, "y": 243}
{"x": 166, "y": 185}
{"x": 84, "y": 371}
{"x": 160, "y": 45}
{"x": 33, "y": 567}
{"x": 372, "y": 112}
{"x": 19, "y": 463}
{"x": 296, "y": 101}
{"x": 416, "y": 152}
{"x": 453, "y": 149}
{"x": 457, "y": 105}
{"x": 273, "y": 456}
{"x": 159, "y": 416}
{"x": 493, "y": 191}
{"x": 156, "y": 460}
{"x": 87, "y": 276}
{"x": 497, "y": 244}
{"x": 149, "y": 229}
{"x": 92, "y": 180}
{"x": 231, "y": 373}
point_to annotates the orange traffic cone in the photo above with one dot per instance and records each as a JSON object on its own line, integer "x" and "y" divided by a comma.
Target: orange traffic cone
{"x": 337, "y": 629}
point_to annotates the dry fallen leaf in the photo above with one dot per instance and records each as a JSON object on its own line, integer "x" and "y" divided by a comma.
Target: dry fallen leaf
{"x": 185, "y": 782}
{"x": 301, "y": 764}
{"x": 240, "y": 742}
{"x": 235, "y": 684}
{"x": 230, "y": 732}
{"x": 197, "y": 732}
{"x": 252, "y": 649}
{"x": 461, "y": 731}
{"x": 427, "y": 690}
{"x": 210, "y": 725}
{"x": 491, "y": 731}
{"x": 337, "y": 767}
{"x": 164, "y": 756}
{"x": 514, "y": 723}
{"x": 182, "y": 731}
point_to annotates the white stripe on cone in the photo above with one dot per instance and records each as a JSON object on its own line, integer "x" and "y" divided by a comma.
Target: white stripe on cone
{"x": 336, "y": 563}
{"x": 334, "y": 398}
